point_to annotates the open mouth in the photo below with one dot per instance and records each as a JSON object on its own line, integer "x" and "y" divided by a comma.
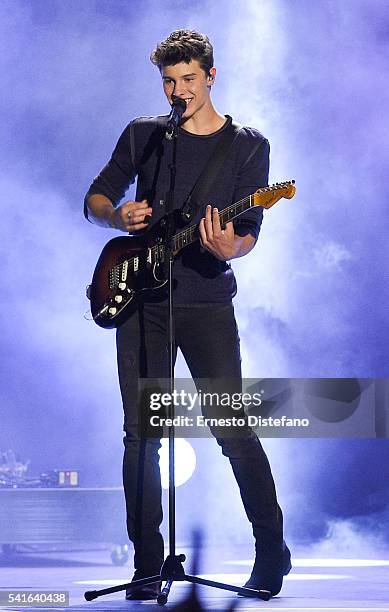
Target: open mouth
{"x": 188, "y": 102}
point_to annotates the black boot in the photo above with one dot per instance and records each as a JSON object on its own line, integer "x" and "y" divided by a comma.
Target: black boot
{"x": 150, "y": 591}
{"x": 269, "y": 570}
{"x": 148, "y": 560}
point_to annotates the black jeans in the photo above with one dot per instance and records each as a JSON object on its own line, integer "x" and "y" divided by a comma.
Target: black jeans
{"x": 208, "y": 338}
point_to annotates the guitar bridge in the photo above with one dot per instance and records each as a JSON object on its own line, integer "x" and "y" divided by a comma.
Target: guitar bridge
{"x": 114, "y": 277}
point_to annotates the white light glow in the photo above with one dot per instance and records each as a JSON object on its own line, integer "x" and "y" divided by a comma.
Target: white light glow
{"x": 185, "y": 462}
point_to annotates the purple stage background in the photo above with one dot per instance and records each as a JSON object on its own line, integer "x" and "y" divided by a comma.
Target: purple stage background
{"x": 313, "y": 295}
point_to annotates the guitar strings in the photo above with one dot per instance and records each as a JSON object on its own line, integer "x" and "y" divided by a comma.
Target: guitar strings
{"x": 232, "y": 207}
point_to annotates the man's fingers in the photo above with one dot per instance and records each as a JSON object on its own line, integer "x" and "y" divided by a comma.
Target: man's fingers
{"x": 210, "y": 228}
{"x": 133, "y": 209}
{"x": 212, "y": 225}
{"x": 139, "y": 205}
{"x": 217, "y": 230}
{"x": 203, "y": 235}
{"x": 208, "y": 223}
{"x": 137, "y": 215}
{"x": 229, "y": 229}
{"x": 137, "y": 212}
{"x": 138, "y": 226}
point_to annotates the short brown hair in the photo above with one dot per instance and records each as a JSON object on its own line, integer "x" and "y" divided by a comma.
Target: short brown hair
{"x": 184, "y": 46}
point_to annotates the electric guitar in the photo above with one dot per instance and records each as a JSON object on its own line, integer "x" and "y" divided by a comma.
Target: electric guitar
{"x": 130, "y": 265}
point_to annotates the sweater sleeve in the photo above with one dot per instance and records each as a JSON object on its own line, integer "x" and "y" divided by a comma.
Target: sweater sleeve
{"x": 253, "y": 174}
{"x": 116, "y": 176}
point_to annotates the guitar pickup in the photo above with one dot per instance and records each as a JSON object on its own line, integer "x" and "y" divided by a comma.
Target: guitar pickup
{"x": 123, "y": 276}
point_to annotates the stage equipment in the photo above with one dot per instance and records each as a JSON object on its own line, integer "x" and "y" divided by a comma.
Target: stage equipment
{"x": 13, "y": 474}
{"x": 62, "y": 516}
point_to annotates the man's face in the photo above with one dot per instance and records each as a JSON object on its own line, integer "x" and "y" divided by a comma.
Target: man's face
{"x": 189, "y": 82}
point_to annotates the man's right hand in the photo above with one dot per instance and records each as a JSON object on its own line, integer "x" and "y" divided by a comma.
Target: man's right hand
{"x": 130, "y": 217}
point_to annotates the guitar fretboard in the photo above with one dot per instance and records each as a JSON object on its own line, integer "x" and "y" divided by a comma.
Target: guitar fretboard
{"x": 190, "y": 234}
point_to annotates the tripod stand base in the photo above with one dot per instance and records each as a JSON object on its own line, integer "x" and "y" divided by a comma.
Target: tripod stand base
{"x": 172, "y": 570}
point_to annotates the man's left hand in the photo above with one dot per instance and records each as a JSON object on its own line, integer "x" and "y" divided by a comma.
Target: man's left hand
{"x": 224, "y": 244}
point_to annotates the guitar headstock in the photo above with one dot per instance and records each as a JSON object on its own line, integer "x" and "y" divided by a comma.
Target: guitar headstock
{"x": 268, "y": 196}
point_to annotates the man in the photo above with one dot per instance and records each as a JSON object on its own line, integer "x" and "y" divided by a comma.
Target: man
{"x": 204, "y": 285}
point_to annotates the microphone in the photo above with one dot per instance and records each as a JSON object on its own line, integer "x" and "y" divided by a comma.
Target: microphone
{"x": 178, "y": 109}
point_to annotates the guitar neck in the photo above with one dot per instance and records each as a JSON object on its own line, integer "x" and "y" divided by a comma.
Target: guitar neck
{"x": 191, "y": 233}
{"x": 265, "y": 197}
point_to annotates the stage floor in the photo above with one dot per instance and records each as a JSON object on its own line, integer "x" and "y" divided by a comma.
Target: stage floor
{"x": 338, "y": 584}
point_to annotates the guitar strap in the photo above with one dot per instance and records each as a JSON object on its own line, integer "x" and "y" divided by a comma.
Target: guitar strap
{"x": 207, "y": 177}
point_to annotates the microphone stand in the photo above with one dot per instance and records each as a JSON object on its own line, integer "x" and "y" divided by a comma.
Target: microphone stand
{"x": 172, "y": 568}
